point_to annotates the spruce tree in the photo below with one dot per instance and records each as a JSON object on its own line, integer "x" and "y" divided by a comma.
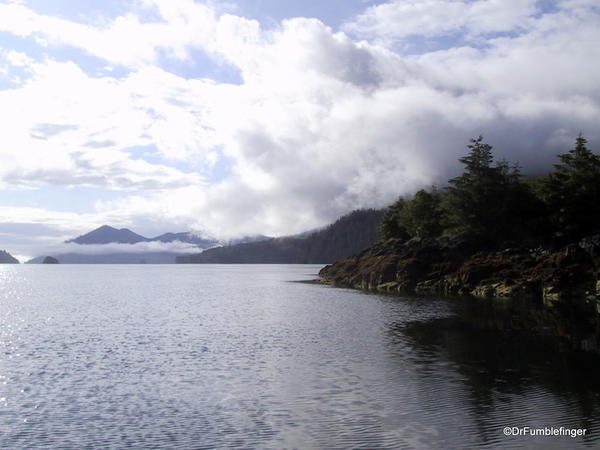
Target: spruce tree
{"x": 389, "y": 227}
{"x": 480, "y": 200}
{"x": 572, "y": 193}
{"x": 421, "y": 217}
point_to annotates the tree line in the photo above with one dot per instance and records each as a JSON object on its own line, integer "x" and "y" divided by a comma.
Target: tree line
{"x": 491, "y": 201}
{"x": 346, "y": 236}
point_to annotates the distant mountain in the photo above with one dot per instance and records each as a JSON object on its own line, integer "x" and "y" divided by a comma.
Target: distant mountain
{"x": 36, "y": 260}
{"x": 7, "y": 258}
{"x": 186, "y": 237}
{"x": 347, "y": 236}
{"x": 43, "y": 260}
{"x": 108, "y": 235}
{"x": 247, "y": 239}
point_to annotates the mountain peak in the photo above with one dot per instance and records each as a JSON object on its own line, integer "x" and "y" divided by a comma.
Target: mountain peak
{"x": 111, "y": 235}
{"x": 106, "y": 227}
{"x": 108, "y": 235}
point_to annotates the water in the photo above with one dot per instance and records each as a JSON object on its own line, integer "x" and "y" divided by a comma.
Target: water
{"x": 209, "y": 356}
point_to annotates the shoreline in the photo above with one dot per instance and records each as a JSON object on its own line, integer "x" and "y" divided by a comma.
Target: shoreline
{"x": 552, "y": 292}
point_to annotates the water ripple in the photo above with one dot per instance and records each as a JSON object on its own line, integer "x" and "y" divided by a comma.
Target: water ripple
{"x": 236, "y": 357}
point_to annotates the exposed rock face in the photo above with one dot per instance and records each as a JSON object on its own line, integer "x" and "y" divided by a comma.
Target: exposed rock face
{"x": 50, "y": 260}
{"x": 556, "y": 292}
{"x": 7, "y": 258}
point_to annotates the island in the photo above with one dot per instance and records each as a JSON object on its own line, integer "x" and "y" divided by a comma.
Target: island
{"x": 7, "y": 258}
{"x": 50, "y": 260}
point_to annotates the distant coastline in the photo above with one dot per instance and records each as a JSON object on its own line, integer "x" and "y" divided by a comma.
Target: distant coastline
{"x": 7, "y": 258}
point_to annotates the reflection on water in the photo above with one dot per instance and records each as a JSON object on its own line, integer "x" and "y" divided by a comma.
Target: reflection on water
{"x": 509, "y": 378}
{"x": 238, "y": 357}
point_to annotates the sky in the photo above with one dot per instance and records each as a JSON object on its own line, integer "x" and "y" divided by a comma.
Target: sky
{"x": 232, "y": 118}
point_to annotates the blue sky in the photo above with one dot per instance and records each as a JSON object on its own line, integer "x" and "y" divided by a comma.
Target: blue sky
{"x": 272, "y": 116}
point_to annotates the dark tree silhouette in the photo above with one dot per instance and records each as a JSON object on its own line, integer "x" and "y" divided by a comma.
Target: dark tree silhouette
{"x": 572, "y": 193}
{"x": 390, "y": 227}
{"x": 422, "y": 216}
{"x": 480, "y": 201}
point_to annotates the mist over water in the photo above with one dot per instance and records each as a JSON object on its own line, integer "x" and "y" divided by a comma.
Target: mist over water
{"x": 214, "y": 356}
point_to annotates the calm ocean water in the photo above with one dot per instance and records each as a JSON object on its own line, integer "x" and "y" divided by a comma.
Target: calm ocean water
{"x": 228, "y": 356}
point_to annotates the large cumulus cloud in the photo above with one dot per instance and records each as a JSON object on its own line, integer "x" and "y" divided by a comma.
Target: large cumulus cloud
{"x": 324, "y": 122}
{"x": 328, "y": 124}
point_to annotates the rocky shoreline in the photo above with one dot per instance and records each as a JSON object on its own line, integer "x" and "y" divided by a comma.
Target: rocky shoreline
{"x": 562, "y": 284}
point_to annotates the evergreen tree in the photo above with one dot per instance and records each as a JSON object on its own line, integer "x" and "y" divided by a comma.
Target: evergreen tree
{"x": 480, "y": 201}
{"x": 389, "y": 227}
{"x": 572, "y": 193}
{"x": 421, "y": 217}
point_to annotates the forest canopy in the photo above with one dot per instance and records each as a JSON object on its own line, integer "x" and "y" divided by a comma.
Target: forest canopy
{"x": 493, "y": 202}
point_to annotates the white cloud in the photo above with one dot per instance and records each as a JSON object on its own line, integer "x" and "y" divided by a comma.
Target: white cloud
{"x": 104, "y": 249}
{"x": 398, "y": 19}
{"x": 33, "y": 232}
{"x": 320, "y": 125}
{"x": 19, "y": 59}
{"x": 312, "y": 139}
{"x": 63, "y": 127}
{"x": 126, "y": 40}
{"x": 131, "y": 42}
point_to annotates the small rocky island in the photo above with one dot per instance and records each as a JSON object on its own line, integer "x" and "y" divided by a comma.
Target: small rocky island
{"x": 50, "y": 260}
{"x": 7, "y": 258}
{"x": 492, "y": 236}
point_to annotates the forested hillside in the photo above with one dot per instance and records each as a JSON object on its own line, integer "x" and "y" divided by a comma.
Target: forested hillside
{"x": 347, "y": 236}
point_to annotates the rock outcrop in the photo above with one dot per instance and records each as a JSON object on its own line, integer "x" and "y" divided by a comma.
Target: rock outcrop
{"x": 454, "y": 267}
{"x": 555, "y": 292}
